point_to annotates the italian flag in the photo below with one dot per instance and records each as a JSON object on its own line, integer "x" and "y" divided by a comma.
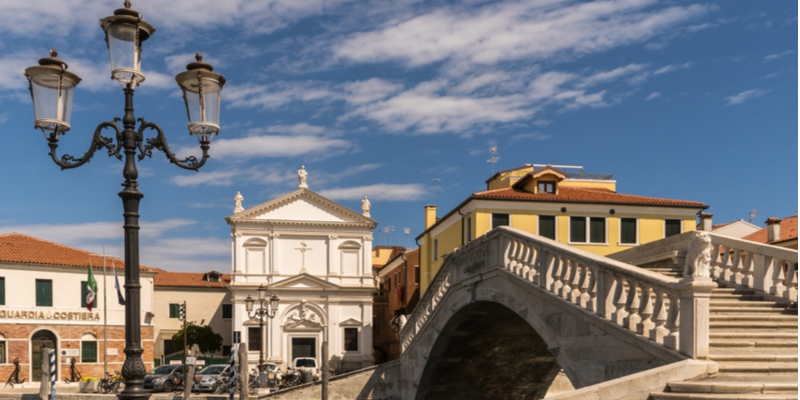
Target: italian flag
{"x": 91, "y": 289}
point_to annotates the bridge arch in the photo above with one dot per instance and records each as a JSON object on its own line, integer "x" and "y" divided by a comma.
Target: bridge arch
{"x": 487, "y": 351}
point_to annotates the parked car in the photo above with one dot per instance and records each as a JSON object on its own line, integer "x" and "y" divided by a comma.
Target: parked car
{"x": 306, "y": 363}
{"x": 161, "y": 378}
{"x": 209, "y": 376}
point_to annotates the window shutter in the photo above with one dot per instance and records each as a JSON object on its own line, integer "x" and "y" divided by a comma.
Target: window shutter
{"x": 88, "y": 352}
{"x": 499, "y": 220}
{"x": 672, "y": 227}
{"x": 628, "y": 228}
{"x": 597, "y": 230}
{"x": 2, "y": 291}
{"x": 577, "y": 229}
{"x": 44, "y": 293}
{"x": 83, "y": 294}
{"x": 547, "y": 226}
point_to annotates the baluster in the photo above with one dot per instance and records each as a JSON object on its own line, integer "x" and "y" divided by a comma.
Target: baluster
{"x": 605, "y": 288}
{"x": 747, "y": 270}
{"x": 716, "y": 269}
{"x": 547, "y": 269}
{"x": 673, "y": 323}
{"x": 778, "y": 277}
{"x": 620, "y": 299}
{"x": 513, "y": 249}
{"x": 530, "y": 265}
{"x": 567, "y": 272}
{"x": 582, "y": 287}
{"x": 558, "y": 268}
{"x": 726, "y": 264}
{"x": 589, "y": 296}
{"x": 646, "y": 312}
{"x": 632, "y": 307}
{"x": 737, "y": 266}
{"x": 791, "y": 281}
{"x": 522, "y": 265}
{"x": 659, "y": 331}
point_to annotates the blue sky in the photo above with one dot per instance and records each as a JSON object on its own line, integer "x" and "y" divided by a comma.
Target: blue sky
{"x": 676, "y": 99}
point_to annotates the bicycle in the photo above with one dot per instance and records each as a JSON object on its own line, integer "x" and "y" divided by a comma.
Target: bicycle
{"x": 111, "y": 383}
{"x": 179, "y": 387}
{"x": 74, "y": 374}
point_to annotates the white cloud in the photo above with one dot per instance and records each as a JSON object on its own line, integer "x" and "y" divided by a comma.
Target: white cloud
{"x": 512, "y": 31}
{"x": 614, "y": 74}
{"x": 380, "y": 191}
{"x": 528, "y": 136}
{"x": 258, "y": 146}
{"x": 743, "y": 96}
{"x": 778, "y": 55}
{"x": 672, "y": 68}
{"x": 653, "y": 95}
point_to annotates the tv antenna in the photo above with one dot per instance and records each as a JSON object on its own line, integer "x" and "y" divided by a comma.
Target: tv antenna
{"x": 434, "y": 189}
{"x": 389, "y": 229}
{"x": 753, "y": 214}
{"x": 408, "y": 232}
{"x": 494, "y": 159}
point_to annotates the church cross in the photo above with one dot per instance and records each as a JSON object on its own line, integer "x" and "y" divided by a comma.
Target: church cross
{"x": 303, "y": 250}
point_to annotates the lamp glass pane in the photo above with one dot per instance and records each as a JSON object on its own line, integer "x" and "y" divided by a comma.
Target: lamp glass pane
{"x": 122, "y": 46}
{"x": 45, "y": 96}
{"x": 193, "y": 105}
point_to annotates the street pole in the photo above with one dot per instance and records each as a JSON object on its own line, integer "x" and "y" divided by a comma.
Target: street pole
{"x": 105, "y": 317}
{"x": 185, "y": 335}
{"x": 325, "y": 362}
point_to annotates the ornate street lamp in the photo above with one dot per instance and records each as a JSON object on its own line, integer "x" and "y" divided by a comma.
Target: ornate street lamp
{"x": 260, "y": 313}
{"x": 52, "y": 87}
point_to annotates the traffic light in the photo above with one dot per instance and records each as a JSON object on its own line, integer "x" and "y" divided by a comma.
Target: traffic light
{"x": 182, "y": 315}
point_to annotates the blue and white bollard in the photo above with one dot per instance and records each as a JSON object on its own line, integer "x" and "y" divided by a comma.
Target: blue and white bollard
{"x": 52, "y": 375}
{"x": 232, "y": 381}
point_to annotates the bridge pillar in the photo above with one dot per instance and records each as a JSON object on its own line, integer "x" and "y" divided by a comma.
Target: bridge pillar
{"x": 694, "y": 318}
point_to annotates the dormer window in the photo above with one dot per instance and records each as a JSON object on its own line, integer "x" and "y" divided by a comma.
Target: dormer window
{"x": 547, "y": 187}
{"x": 212, "y": 276}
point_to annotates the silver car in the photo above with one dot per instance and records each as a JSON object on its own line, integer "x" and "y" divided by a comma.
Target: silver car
{"x": 209, "y": 376}
{"x": 161, "y": 378}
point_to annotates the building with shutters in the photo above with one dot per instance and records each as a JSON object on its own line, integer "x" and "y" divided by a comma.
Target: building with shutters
{"x": 576, "y": 208}
{"x": 316, "y": 256}
{"x": 43, "y": 301}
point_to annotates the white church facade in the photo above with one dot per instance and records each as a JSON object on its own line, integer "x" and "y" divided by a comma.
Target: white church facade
{"x": 316, "y": 256}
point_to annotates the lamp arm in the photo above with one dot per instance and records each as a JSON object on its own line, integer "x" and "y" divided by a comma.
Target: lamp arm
{"x": 98, "y": 142}
{"x": 160, "y": 143}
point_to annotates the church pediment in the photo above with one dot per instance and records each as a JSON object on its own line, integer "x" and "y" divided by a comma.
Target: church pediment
{"x": 305, "y": 207}
{"x": 303, "y": 325}
{"x": 350, "y": 322}
{"x": 304, "y": 281}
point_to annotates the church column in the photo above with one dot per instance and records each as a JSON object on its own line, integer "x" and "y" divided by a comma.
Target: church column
{"x": 331, "y": 254}
{"x": 273, "y": 265}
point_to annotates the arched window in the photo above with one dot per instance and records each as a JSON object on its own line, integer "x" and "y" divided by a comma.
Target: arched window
{"x": 89, "y": 348}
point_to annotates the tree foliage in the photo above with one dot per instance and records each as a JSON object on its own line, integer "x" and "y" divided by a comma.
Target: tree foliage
{"x": 202, "y": 335}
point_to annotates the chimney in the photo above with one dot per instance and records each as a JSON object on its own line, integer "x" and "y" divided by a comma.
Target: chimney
{"x": 430, "y": 216}
{"x": 773, "y": 229}
{"x": 705, "y": 221}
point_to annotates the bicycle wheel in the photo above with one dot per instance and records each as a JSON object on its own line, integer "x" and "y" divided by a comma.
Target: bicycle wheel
{"x": 118, "y": 386}
{"x": 104, "y": 387}
{"x": 196, "y": 388}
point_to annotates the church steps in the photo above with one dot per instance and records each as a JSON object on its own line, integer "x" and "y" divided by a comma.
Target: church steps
{"x": 736, "y": 384}
{"x": 755, "y": 367}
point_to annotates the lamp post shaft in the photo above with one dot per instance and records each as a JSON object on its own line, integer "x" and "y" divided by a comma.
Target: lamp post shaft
{"x": 263, "y": 339}
{"x": 133, "y": 370}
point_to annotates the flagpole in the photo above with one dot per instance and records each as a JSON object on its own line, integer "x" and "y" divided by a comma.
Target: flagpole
{"x": 105, "y": 317}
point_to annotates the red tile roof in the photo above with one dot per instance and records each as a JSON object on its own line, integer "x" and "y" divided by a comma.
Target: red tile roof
{"x": 189, "y": 279}
{"x": 788, "y": 232}
{"x": 24, "y": 249}
{"x": 568, "y": 194}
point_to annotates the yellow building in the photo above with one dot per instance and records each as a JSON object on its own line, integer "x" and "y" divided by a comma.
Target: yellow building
{"x": 583, "y": 210}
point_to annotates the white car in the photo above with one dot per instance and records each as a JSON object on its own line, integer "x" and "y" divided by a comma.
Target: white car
{"x": 307, "y": 363}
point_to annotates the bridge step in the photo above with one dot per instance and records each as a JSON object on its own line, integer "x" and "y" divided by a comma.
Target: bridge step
{"x": 722, "y": 396}
{"x": 732, "y": 308}
{"x": 754, "y": 317}
{"x": 737, "y": 384}
{"x": 749, "y": 326}
{"x": 755, "y": 335}
{"x": 718, "y": 342}
{"x": 746, "y": 303}
{"x": 749, "y": 367}
{"x": 786, "y": 355}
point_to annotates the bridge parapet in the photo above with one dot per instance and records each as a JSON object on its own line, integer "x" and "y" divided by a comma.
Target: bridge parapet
{"x": 667, "y": 311}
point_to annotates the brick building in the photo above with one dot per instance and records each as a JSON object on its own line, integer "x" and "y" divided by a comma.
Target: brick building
{"x": 43, "y": 300}
{"x": 399, "y": 295}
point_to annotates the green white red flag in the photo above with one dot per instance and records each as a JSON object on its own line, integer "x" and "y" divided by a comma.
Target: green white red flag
{"x": 91, "y": 289}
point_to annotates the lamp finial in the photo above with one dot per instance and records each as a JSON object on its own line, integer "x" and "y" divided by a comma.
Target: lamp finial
{"x": 127, "y": 3}
{"x": 53, "y": 53}
{"x": 198, "y": 57}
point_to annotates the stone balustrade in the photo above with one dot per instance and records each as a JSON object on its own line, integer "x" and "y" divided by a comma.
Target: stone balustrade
{"x": 769, "y": 269}
{"x": 667, "y": 311}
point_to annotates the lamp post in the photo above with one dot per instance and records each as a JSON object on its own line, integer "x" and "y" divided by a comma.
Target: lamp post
{"x": 52, "y": 88}
{"x": 261, "y": 312}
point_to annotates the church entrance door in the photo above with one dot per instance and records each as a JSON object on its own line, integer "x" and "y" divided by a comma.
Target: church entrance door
{"x": 304, "y": 347}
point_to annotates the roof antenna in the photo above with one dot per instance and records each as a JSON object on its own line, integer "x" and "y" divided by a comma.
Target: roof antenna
{"x": 434, "y": 189}
{"x": 753, "y": 214}
{"x": 494, "y": 159}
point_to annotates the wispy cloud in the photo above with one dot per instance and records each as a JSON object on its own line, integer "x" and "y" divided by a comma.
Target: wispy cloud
{"x": 743, "y": 96}
{"x": 672, "y": 68}
{"x": 379, "y": 191}
{"x": 778, "y": 55}
{"x": 653, "y": 95}
{"x": 528, "y": 136}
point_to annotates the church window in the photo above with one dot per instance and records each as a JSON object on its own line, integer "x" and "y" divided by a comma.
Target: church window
{"x": 351, "y": 339}
{"x": 350, "y": 257}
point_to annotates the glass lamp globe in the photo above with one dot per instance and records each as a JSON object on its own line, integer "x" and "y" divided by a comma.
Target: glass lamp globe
{"x": 125, "y": 32}
{"x": 52, "y": 88}
{"x": 201, "y": 91}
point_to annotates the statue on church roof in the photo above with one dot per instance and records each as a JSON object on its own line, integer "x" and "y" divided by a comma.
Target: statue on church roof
{"x": 365, "y": 206}
{"x": 302, "y": 176}
{"x": 237, "y": 201}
